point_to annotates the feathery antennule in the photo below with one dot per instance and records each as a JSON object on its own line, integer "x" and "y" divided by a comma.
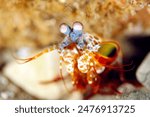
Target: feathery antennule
{"x": 120, "y": 67}
{"x": 25, "y": 60}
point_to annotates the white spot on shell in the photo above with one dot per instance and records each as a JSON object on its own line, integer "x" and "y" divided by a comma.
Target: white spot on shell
{"x": 90, "y": 82}
{"x": 100, "y": 69}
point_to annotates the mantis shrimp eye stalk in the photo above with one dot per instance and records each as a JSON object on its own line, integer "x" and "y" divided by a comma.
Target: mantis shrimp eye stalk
{"x": 77, "y": 26}
{"x": 65, "y": 29}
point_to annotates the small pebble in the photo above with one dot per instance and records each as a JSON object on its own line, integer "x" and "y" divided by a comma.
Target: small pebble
{"x": 143, "y": 72}
{"x": 7, "y": 95}
{"x": 3, "y": 82}
{"x": 29, "y": 76}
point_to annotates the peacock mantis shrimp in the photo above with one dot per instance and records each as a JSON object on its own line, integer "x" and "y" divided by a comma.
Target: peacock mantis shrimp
{"x": 92, "y": 62}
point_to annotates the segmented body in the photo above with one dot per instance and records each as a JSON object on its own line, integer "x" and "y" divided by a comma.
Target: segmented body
{"x": 86, "y": 64}
{"x": 83, "y": 57}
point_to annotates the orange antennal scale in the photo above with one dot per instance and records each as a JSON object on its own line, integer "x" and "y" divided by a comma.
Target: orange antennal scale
{"x": 108, "y": 52}
{"x": 107, "y": 55}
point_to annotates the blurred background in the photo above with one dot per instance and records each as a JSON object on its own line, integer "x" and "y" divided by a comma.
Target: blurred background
{"x": 28, "y": 26}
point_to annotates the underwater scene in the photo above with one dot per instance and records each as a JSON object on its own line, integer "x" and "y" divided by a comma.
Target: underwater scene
{"x": 75, "y": 49}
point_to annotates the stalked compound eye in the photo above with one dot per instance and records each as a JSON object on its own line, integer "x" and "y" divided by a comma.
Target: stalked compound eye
{"x": 65, "y": 29}
{"x": 77, "y": 26}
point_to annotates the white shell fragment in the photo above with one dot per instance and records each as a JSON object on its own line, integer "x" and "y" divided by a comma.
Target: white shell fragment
{"x": 143, "y": 72}
{"x": 29, "y": 76}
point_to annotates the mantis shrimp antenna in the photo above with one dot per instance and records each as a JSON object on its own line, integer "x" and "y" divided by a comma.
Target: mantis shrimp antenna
{"x": 61, "y": 75}
{"x": 22, "y": 61}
